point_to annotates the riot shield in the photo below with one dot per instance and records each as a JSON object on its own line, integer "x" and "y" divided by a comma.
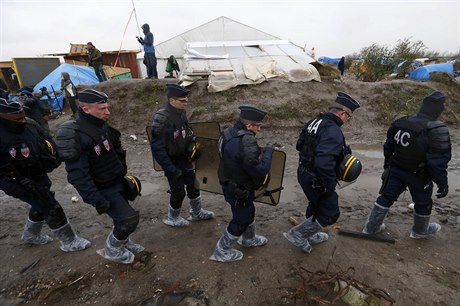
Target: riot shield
{"x": 200, "y": 129}
{"x": 208, "y": 164}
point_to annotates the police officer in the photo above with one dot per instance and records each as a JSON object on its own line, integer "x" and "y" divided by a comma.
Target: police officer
{"x": 96, "y": 165}
{"x": 417, "y": 151}
{"x": 241, "y": 172}
{"x": 322, "y": 148}
{"x": 35, "y": 110}
{"x": 27, "y": 154}
{"x": 173, "y": 144}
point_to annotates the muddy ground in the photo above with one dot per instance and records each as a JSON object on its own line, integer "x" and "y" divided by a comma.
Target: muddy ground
{"x": 412, "y": 272}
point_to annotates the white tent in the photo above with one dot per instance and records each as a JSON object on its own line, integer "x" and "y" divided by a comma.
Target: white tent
{"x": 230, "y": 53}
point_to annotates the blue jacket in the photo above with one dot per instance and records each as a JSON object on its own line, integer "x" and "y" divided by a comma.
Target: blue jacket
{"x": 148, "y": 43}
{"x": 240, "y": 158}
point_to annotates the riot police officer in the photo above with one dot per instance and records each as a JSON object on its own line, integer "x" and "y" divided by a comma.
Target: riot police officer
{"x": 35, "y": 110}
{"x": 173, "y": 144}
{"x": 241, "y": 172}
{"x": 417, "y": 151}
{"x": 322, "y": 148}
{"x": 27, "y": 154}
{"x": 96, "y": 166}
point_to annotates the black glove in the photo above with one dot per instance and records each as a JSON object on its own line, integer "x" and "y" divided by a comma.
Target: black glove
{"x": 178, "y": 174}
{"x": 442, "y": 191}
{"x": 102, "y": 207}
{"x": 347, "y": 150}
{"x": 140, "y": 40}
{"x": 15, "y": 191}
{"x": 269, "y": 149}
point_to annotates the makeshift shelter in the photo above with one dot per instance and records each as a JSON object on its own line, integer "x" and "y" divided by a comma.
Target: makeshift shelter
{"x": 80, "y": 75}
{"x": 116, "y": 64}
{"x": 423, "y": 73}
{"x": 228, "y": 64}
{"x": 230, "y": 53}
{"x": 329, "y": 60}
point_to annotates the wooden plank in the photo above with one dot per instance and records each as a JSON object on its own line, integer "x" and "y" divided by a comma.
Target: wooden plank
{"x": 361, "y": 235}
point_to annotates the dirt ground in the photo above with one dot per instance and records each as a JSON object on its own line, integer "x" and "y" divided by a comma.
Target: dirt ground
{"x": 175, "y": 270}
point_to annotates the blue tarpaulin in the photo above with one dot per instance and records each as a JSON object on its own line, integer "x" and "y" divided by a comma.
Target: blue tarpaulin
{"x": 329, "y": 60}
{"x": 57, "y": 104}
{"x": 423, "y": 73}
{"x": 80, "y": 75}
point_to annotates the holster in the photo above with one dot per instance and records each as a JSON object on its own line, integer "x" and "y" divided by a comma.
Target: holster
{"x": 241, "y": 194}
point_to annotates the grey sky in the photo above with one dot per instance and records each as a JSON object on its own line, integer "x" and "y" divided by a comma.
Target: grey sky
{"x": 334, "y": 28}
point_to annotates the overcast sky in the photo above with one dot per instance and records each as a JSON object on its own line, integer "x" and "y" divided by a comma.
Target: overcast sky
{"x": 334, "y": 28}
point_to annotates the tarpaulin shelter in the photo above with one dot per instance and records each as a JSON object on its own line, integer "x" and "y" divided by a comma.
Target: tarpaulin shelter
{"x": 229, "y": 53}
{"x": 423, "y": 73}
{"x": 231, "y": 63}
{"x": 80, "y": 75}
{"x": 329, "y": 60}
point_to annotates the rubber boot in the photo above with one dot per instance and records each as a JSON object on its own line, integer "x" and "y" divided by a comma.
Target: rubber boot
{"x": 197, "y": 213}
{"x": 250, "y": 239}
{"x": 32, "y": 233}
{"x": 115, "y": 250}
{"x": 374, "y": 223}
{"x": 70, "y": 242}
{"x": 133, "y": 247}
{"x": 174, "y": 218}
{"x": 300, "y": 234}
{"x": 224, "y": 251}
{"x": 422, "y": 227}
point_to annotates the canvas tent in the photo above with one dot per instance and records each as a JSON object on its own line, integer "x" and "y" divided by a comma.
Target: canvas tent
{"x": 230, "y": 53}
{"x": 423, "y": 73}
{"x": 80, "y": 75}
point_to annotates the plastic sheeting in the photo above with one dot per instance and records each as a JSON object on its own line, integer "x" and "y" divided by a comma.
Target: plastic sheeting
{"x": 80, "y": 75}
{"x": 423, "y": 73}
{"x": 233, "y": 63}
{"x": 329, "y": 60}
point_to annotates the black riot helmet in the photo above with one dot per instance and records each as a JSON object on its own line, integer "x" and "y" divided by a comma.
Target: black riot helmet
{"x": 349, "y": 168}
{"x": 133, "y": 187}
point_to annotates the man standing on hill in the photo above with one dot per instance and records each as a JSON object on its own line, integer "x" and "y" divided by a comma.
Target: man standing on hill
{"x": 242, "y": 170}
{"x": 174, "y": 148}
{"x": 95, "y": 162}
{"x": 341, "y": 66}
{"x": 417, "y": 151}
{"x": 95, "y": 61}
{"x": 322, "y": 149}
{"x": 150, "y": 60}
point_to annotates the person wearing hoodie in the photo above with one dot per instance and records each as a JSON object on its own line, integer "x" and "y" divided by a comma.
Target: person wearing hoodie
{"x": 417, "y": 152}
{"x": 70, "y": 93}
{"x": 27, "y": 155}
{"x": 95, "y": 61}
{"x": 150, "y": 60}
